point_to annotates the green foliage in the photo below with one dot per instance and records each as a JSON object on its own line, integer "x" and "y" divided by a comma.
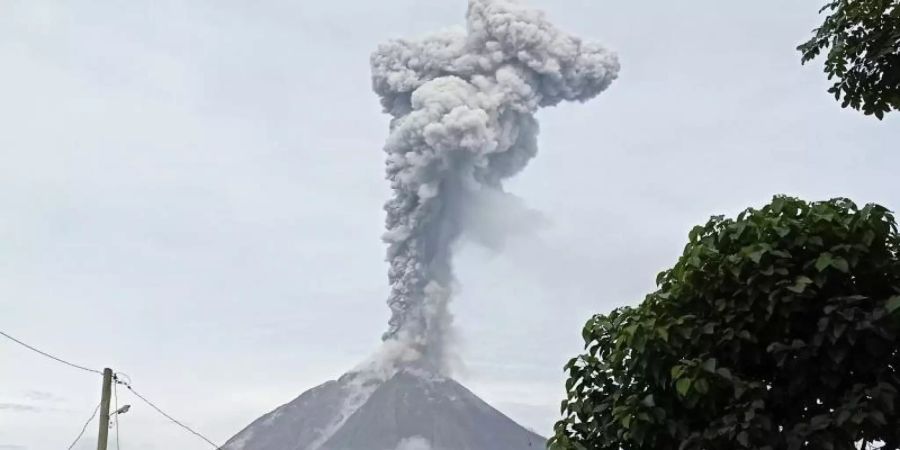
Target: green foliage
{"x": 775, "y": 330}
{"x": 864, "y": 55}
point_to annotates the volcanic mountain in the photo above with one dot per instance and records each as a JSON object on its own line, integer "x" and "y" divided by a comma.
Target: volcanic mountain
{"x": 412, "y": 409}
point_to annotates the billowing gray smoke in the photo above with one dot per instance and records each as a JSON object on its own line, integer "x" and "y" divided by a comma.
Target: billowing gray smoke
{"x": 463, "y": 106}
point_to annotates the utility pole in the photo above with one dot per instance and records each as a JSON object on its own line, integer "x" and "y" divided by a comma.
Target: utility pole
{"x": 104, "y": 409}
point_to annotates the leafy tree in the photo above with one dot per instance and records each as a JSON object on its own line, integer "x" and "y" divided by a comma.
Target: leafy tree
{"x": 864, "y": 55}
{"x": 775, "y": 330}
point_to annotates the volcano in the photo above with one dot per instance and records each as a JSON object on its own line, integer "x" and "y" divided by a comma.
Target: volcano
{"x": 412, "y": 409}
{"x": 462, "y": 106}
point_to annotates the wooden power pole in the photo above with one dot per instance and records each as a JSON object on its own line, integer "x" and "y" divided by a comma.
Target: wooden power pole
{"x": 104, "y": 409}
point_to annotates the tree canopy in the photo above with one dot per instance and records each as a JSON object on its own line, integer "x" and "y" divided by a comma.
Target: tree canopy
{"x": 774, "y": 330}
{"x": 863, "y": 38}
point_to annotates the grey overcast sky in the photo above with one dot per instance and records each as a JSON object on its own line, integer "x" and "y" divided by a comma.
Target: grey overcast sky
{"x": 190, "y": 192}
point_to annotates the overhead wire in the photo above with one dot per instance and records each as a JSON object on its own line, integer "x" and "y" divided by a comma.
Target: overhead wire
{"x": 116, "y": 400}
{"x": 90, "y": 419}
{"x": 70, "y": 364}
{"x": 167, "y": 416}
{"x": 118, "y": 381}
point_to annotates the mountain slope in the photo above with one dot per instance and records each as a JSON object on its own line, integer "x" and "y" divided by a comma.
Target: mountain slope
{"x": 414, "y": 409}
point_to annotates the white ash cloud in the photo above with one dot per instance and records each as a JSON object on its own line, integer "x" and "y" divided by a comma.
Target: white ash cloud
{"x": 463, "y": 105}
{"x": 414, "y": 443}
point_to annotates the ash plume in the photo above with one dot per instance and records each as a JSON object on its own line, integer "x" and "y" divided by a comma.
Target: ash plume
{"x": 463, "y": 105}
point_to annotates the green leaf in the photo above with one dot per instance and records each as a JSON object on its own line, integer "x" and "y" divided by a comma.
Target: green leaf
{"x": 695, "y": 233}
{"x": 683, "y": 386}
{"x": 724, "y": 373}
{"x": 756, "y": 255}
{"x": 869, "y": 235}
{"x": 840, "y": 264}
{"x": 631, "y": 329}
{"x": 800, "y": 284}
{"x": 663, "y": 333}
{"x": 838, "y": 330}
{"x": 702, "y": 386}
{"x": 823, "y": 262}
{"x": 743, "y": 439}
{"x": 778, "y": 204}
{"x": 893, "y": 304}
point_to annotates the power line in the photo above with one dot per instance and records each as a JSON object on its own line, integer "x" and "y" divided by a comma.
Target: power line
{"x": 163, "y": 413}
{"x": 118, "y": 381}
{"x": 116, "y": 397}
{"x": 94, "y": 414}
{"x": 121, "y": 374}
{"x": 49, "y": 355}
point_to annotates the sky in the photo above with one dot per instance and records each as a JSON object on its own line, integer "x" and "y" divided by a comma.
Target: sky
{"x": 190, "y": 193}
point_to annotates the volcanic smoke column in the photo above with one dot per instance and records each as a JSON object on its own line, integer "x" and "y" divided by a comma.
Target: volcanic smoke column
{"x": 463, "y": 107}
